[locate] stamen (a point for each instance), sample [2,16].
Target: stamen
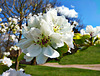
[44,41]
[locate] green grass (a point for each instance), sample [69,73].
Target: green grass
[3,68]
[88,56]
[51,71]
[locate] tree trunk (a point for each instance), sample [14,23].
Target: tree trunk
[17,62]
[33,62]
[18,51]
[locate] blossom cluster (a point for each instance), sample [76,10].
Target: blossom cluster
[6,53]
[9,33]
[1,24]
[5,60]
[13,24]
[11,72]
[14,48]
[14,38]
[93,32]
[44,34]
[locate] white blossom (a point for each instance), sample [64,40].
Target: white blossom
[3,30]
[12,37]
[14,48]
[83,32]
[2,24]
[99,35]
[10,18]
[60,25]
[15,20]
[6,23]
[0,19]
[0,9]
[21,69]
[13,72]
[91,31]
[6,53]
[36,45]
[69,50]
[6,61]
[43,34]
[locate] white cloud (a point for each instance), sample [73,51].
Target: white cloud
[72,6]
[70,13]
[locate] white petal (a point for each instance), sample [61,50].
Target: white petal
[68,39]
[60,44]
[24,51]
[45,28]
[98,29]
[82,31]
[28,58]
[26,33]
[34,21]
[24,43]
[34,50]
[67,28]
[41,59]
[61,20]
[55,37]
[89,29]
[94,32]
[36,33]
[51,16]
[5,74]
[99,35]
[49,52]
[56,45]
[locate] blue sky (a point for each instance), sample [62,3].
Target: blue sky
[88,10]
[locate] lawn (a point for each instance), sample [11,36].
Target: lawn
[88,56]
[51,71]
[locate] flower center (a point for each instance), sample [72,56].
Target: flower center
[56,28]
[44,41]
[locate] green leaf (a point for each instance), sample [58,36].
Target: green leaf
[21,57]
[63,49]
[77,36]
[79,41]
[85,36]
[82,39]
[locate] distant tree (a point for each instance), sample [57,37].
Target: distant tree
[78,27]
